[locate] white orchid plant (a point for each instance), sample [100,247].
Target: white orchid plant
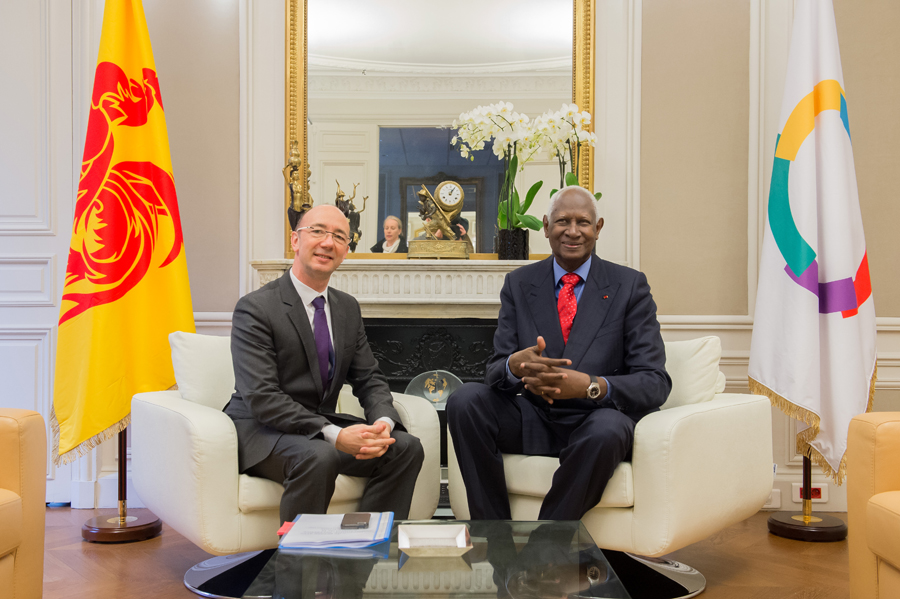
[563,133]
[517,140]
[514,142]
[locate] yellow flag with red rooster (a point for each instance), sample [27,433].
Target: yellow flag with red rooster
[126,283]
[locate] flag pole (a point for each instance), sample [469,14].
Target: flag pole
[803,526]
[122,528]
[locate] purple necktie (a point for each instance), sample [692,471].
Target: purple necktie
[323,341]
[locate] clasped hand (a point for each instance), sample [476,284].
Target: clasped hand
[364,441]
[546,376]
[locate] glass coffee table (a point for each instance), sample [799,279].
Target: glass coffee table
[515,560]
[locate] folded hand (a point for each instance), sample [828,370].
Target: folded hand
[365,441]
[529,362]
[560,383]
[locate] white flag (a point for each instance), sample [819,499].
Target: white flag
[813,348]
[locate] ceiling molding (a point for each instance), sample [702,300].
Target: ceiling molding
[561,64]
[332,87]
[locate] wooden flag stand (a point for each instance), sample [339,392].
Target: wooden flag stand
[121,528]
[804,526]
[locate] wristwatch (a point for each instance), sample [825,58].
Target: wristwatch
[593,390]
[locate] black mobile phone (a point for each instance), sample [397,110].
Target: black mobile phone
[356,520]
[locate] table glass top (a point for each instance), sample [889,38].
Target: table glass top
[515,560]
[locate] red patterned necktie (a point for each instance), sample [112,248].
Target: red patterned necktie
[566,305]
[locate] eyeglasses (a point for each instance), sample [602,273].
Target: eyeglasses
[317,233]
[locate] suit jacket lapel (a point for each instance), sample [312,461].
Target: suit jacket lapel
[296,312]
[542,296]
[592,311]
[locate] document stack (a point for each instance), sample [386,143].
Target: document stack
[322,534]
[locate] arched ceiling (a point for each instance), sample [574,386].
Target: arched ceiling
[440,36]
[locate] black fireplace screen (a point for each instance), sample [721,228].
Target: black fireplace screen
[405,347]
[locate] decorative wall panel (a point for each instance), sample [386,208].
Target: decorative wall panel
[24,145]
[27,281]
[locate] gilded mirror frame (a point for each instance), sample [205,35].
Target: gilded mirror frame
[296,77]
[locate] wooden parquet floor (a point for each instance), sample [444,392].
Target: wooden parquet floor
[740,562]
[745,561]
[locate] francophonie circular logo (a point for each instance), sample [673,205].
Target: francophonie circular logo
[843,295]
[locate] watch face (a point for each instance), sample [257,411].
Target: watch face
[450,194]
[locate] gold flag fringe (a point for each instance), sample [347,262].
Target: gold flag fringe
[806,437]
[811,419]
[85,446]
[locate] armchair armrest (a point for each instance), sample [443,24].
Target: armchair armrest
[185,466]
[421,420]
[683,492]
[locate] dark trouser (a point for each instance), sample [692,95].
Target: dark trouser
[485,424]
[308,468]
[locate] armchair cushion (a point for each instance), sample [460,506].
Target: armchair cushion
[694,368]
[203,368]
[532,475]
[883,526]
[10,521]
[257,494]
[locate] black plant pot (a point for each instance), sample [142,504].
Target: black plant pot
[512,244]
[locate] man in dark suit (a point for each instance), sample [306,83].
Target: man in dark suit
[578,360]
[294,343]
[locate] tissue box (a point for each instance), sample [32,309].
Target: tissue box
[433,540]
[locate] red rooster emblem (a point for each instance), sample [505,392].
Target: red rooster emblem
[121,208]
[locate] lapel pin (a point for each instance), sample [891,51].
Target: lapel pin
[605,297]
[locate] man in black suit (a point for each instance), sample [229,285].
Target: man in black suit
[578,360]
[294,343]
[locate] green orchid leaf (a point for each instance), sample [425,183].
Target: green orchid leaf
[515,203]
[529,197]
[531,222]
[571,179]
[553,192]
[597,196]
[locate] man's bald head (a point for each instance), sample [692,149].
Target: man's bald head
[320,211]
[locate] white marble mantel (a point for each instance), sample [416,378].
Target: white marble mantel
[414,288]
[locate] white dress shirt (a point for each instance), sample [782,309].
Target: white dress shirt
[307,296]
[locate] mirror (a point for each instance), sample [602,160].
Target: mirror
[361,77]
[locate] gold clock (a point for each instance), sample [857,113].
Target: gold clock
[449,197]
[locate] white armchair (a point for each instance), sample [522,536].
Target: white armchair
[700,464]
[185,460]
